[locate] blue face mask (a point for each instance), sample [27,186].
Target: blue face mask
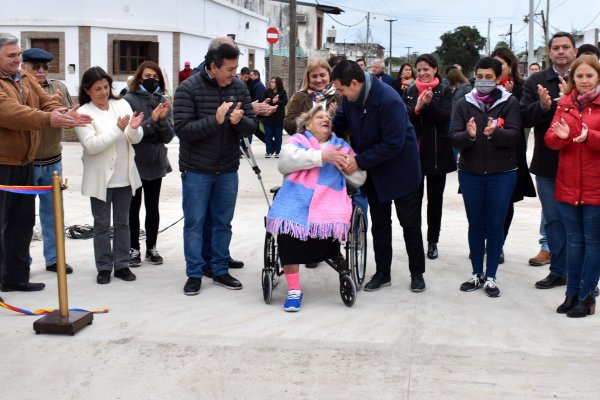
[485,86]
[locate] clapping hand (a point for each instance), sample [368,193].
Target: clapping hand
[544,96]
[584,134]
[424,99]
[509,85]
[561,129]
[561,86]
[122,122]
[80,119]
[57,95]
[490,128]
[161,111]
[136,121]
[236,115]
[472,128]
[222,111]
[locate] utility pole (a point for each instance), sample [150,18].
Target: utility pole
[292,55]
[530,55]
[488,36]
[367,44]
[547,22]
[390,63]
[510,38]
[408,53]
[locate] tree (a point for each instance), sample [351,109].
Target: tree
[502,44]
[461,46]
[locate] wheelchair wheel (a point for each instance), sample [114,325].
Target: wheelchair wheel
[267,285]
[271,267]
[347,290]
[356,250]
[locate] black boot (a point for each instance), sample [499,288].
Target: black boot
[432,251]
[567,305]
[583,308]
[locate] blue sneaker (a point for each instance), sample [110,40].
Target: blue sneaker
[293,300]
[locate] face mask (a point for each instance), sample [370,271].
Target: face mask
[150,84]
[485,86]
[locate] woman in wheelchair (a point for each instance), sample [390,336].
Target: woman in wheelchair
[311,213]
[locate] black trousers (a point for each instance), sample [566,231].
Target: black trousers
[408,211]
[17,218]
[435,202]
[151,199]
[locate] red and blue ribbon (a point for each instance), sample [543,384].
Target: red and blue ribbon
[44,311]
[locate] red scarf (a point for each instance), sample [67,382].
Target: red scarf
[504,81]
[421,87]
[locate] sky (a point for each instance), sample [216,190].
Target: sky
[420,25]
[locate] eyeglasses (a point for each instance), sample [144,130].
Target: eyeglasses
[37,66]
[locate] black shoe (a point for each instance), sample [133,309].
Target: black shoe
[125,274]
[417,283]
[377,282]
[207,272]
[432,251]
[153,257]
[135,258]
[501,259]
[22,287]
[567,305]
[227,281]
[312,265]
[583,308]
[235,264]
[52,268]
[192,286]
[476,282]
[550,281]
[490,288]
[103,277]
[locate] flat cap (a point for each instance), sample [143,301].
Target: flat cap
[36,55]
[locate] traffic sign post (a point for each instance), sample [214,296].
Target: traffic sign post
[272,38]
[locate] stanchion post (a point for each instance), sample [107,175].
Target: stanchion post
[61,320]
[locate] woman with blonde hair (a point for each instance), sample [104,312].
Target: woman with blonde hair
[575,132]
[316,89]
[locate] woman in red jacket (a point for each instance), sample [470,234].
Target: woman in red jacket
[575,131]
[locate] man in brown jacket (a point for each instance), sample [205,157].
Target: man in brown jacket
[24,109]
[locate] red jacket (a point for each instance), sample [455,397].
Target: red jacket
[578,177]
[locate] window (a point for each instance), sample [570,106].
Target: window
[51,46]
[251,59]
[128,54]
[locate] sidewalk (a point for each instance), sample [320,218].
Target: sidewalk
[156,343]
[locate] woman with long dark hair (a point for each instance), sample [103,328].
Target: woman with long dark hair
[405,79]
[146,95]
[110,176]
[274,123]
[429,107]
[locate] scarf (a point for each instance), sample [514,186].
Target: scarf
[485,101]
[365,90]
[421,86]
[312,202]
[588,97]
[319,96]
[504,81]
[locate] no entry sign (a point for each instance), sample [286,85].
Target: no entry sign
[272,35]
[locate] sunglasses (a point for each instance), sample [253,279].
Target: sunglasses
[37,66]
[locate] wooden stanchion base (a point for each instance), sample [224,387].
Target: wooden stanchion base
[54,323]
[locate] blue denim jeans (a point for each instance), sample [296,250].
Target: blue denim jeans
[203,194]
[555,230]
[273,137]
[582,225]
[42,176]
[486,199]
[543,239]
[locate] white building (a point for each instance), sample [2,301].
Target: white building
[118,36]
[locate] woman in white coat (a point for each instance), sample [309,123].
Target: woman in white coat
[110,176]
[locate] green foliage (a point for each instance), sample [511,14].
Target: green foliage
[502,44]
[461,46]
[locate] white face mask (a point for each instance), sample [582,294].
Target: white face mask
[485,86]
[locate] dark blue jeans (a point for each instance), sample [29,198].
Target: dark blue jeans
[582,225]
[208,193]
[486,198]
[273,137]
[555,229]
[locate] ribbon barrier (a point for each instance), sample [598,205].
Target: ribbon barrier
[63,320]
[44,311]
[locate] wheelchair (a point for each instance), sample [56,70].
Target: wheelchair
[351,270]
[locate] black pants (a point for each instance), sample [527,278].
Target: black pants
[408,211]
[17,217]
[435,201]
[151,200]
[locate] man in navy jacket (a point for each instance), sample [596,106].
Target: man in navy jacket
[386,147]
